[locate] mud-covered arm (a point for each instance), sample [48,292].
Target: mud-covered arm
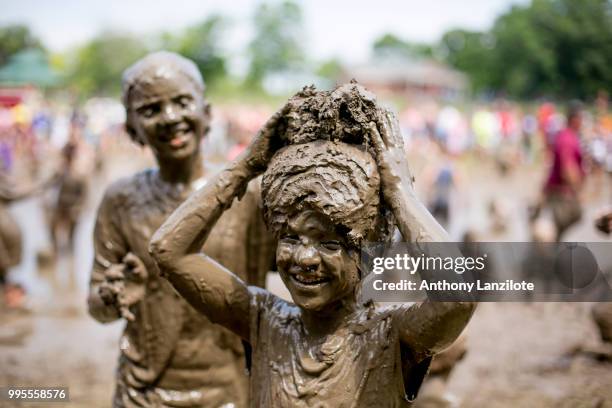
[109,250]
[10,192]
[205,284]
[261,243]
[219,294]
[428,327]
[413,219]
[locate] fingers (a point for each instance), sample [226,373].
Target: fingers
[389,129]
[135,266]
[132,261]
[385,129]
[393,125]
[377,141]
[126,313]
[114,272]
[272,123]
[108,293]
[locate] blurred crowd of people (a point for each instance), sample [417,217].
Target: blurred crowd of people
[55,146]
[573,141]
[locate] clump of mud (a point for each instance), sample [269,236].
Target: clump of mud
[342,114]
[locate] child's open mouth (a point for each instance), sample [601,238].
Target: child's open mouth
[309,279]
[180,138]
[177,137]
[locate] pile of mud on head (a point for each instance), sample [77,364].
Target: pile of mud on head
[327,164]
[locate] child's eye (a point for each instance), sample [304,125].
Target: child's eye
[149,110]
[290,239]
[183,101]
[331,245]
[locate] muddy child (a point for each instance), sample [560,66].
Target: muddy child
[171,355]
[334,177]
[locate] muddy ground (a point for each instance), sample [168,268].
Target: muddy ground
[519,355]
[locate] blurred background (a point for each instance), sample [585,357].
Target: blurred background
[481,88]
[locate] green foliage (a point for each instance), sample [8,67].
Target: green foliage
[470,52]
[277,43]
[200,43]
[15,38]
[99,64]
[329,69]
[390,45]
[554,47]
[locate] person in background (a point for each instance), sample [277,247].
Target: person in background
[567,175]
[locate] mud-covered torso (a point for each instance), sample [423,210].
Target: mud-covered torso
[170,345]
[359,365]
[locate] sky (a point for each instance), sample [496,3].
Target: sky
[333,28]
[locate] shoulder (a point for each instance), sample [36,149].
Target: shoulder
[264,301]
[126,189]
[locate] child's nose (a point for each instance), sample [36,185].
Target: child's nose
[169,114]
[307,257]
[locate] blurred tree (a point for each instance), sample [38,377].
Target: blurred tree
[470,52]
[200,43]
[553,47]
[15,38]
[330,69]
[390,45]
[98,65]
[277,45]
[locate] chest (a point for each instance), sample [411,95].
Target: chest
[227,242]
[334,370]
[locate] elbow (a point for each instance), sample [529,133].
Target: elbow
[463,312]
[161,251]
[456,318]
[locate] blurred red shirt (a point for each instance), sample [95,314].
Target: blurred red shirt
[566,153]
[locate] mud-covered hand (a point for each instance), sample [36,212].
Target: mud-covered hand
[124,285]
[413,220]
[391,158]
[267,141]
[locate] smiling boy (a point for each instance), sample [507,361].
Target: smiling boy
[170,355]
[323,198]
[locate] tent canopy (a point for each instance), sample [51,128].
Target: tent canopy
[28,67]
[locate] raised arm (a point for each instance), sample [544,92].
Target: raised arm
[429,327]
[176,246]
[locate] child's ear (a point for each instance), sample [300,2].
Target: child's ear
[132,132]
[207,116]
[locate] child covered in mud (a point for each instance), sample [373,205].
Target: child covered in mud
[321,191]
[171,356]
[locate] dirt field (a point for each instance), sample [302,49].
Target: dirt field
[519,355]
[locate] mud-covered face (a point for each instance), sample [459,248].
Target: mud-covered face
[315,263]
[169,114]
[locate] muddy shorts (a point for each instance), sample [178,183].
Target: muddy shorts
[566,210]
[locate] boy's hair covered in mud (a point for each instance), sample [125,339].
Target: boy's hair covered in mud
[328,164]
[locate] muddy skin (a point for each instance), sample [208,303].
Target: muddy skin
[71,197]
[326,349]
[171,355]
[10,233]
